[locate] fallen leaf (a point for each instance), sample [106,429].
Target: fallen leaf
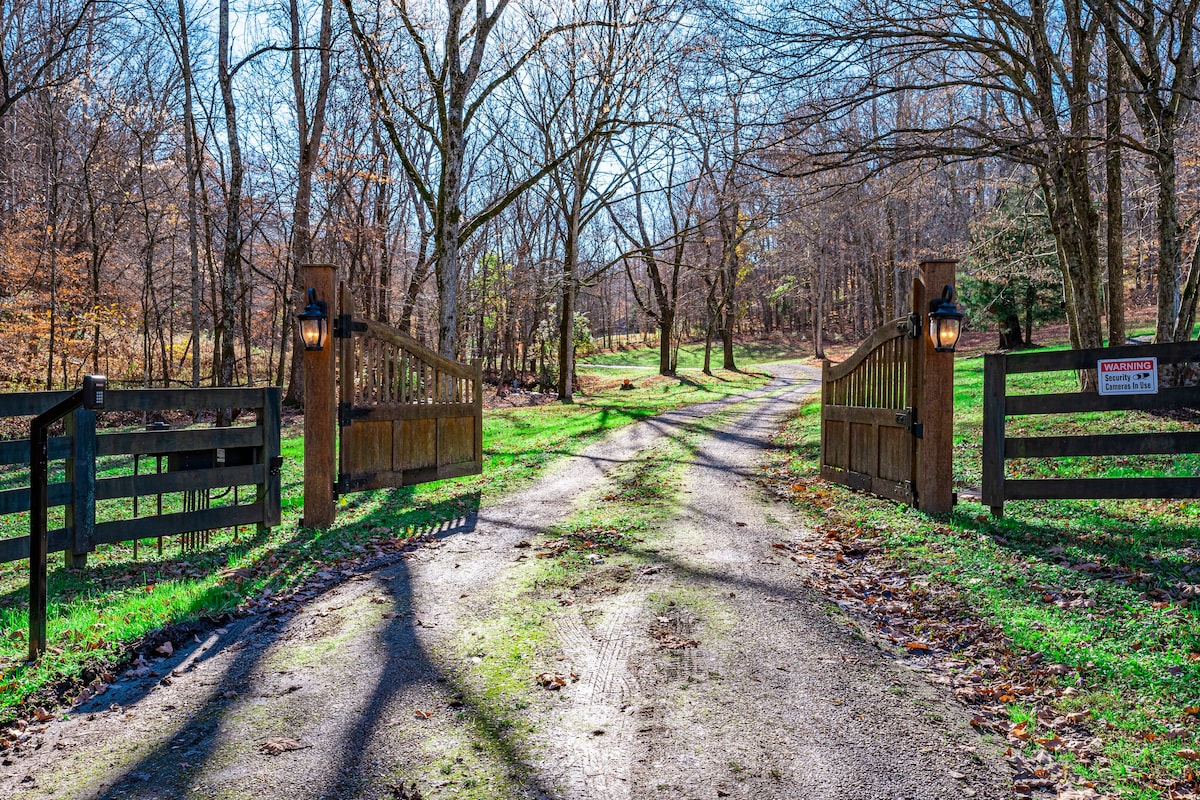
[1189,754]
[1051,742]
[551,680]
[166,649]
[281,744]
[423,714]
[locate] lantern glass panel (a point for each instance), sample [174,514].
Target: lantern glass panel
[311,333]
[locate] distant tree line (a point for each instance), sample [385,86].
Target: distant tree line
[511,182]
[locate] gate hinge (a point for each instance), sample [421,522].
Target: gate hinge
[345,325]
[908,418]
[276,465]
[347,413]
[346,485]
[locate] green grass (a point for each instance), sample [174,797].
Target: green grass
[691,355]
[95,614]
[1131,632]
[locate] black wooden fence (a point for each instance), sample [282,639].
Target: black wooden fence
[190,462]
[998,405]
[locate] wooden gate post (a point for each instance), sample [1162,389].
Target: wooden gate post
[935,398]
[319,410]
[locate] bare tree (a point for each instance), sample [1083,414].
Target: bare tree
[658,223]
[589,91]
[35,36]
[1032,63]
[1157,45]
[310,128]
[460,72]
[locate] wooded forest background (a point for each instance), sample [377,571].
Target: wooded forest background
[511,179]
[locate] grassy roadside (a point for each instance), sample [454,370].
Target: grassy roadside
[1072,626]
[97,614]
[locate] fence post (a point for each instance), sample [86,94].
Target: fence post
[935,412]
[995,369]
[81,474]
[269,490]
[319,410]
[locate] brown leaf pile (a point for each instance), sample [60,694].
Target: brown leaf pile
[668,639]
[936,636]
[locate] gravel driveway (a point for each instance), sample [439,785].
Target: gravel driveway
[710,673]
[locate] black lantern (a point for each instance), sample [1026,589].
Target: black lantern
[314,322]
[945,321]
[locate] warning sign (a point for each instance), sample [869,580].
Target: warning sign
[1128,375]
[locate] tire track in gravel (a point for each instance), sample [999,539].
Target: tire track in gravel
[591,744]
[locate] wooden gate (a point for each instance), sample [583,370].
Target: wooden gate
[406,414]
[887,412]
[869,429]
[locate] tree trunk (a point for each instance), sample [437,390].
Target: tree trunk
[818,321]
[447,228]
[1115,231]
[189,153]
[231,253]
[1010,333]
[309,135]
[726,331]
[566,321]
[1162,168]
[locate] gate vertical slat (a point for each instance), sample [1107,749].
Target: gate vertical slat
[477,399]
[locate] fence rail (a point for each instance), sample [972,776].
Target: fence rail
[999,448]
[197,460]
